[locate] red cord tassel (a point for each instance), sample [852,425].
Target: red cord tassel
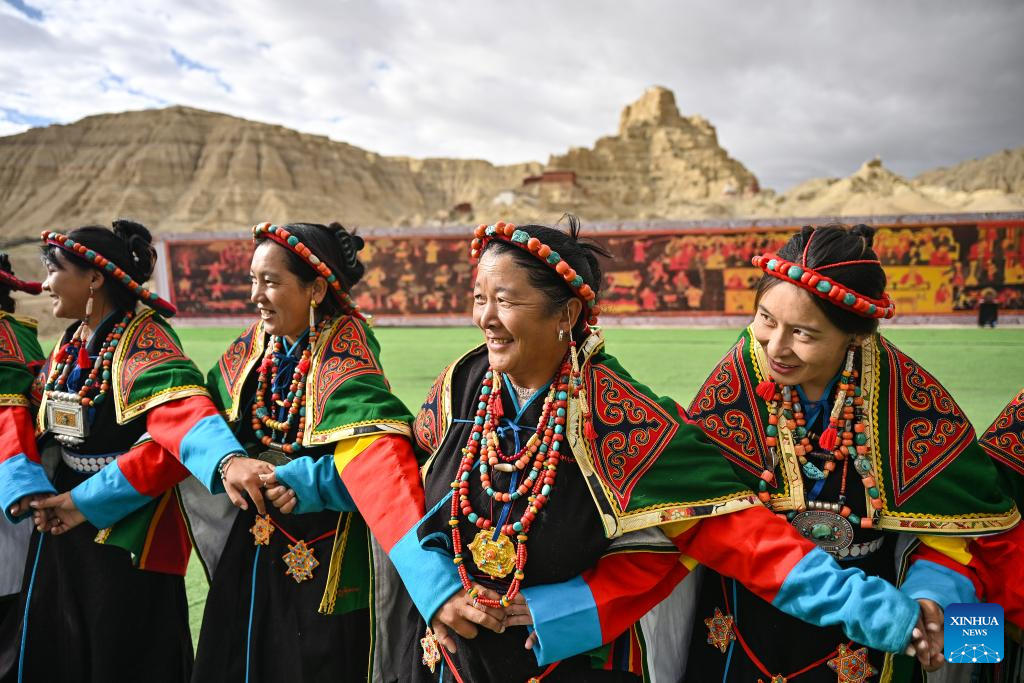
[829,439]
[84,362]
[766,390]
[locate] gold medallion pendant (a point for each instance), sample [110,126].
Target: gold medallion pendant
[261,530]
[431,650]
[496,558]
[300,561]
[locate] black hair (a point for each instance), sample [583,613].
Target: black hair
[129,246]
[336,247]
[6,300]
[580,254]
[835,243]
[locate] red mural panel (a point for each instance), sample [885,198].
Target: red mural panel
[933,268]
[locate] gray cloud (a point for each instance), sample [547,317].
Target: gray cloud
[796,89]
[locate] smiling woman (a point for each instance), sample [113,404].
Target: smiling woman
[858,447]
[566,496]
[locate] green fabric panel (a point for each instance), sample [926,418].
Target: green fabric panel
[688,471]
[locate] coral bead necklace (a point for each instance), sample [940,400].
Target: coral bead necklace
[492,549]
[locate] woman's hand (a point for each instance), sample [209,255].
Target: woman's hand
[932,659]
[56,514]
[462,616]
[241,476]
[283,498]
[23,505]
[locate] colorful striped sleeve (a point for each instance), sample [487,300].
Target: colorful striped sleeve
[429,576]
[21,473]
[187,436]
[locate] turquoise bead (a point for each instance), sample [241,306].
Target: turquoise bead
[465,476]
[849,299]
[771,430]
[90,254]
[772,263]
[293,240]
[873,492]
[577,281]
[860,438]
[478,420]
[518,526]
[872,309]
[520,237]
[545,490]
[556,445]
[822,531]
[854,519]
[562,396]
[824,287]
[490,230]
[486,391]
[560,412]
[472,517]
[554,257]
[559,429]
[795,272]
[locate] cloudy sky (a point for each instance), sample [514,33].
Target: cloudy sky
[796,88]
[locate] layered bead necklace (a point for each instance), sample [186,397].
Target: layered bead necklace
[845,439]
[265,426]
[537,462]
[66,411]
[300,558]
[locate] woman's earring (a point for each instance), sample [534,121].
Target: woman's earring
[312,318]
[561,335]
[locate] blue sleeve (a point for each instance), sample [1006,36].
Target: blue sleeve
[565,618]
[871,611]
[316,484]
[204,446]
[20,477]
[107,497]
[931,581]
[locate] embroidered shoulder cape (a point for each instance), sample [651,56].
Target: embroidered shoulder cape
[347,394]
[648,465]
[149,368]
[1004,441]
[20,357]
[933,476]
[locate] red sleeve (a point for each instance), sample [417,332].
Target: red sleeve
[754,546]
[999,563]
[627,585]
[389,458]
[18,433]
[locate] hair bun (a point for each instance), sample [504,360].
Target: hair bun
[866,232]
[139,243]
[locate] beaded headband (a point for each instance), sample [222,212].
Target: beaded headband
[507,232]
[11,281]
[824,287]
[150,298]
[292,243]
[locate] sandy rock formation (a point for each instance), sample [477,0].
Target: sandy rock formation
[1002,171]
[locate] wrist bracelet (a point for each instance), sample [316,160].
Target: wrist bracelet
[222,466]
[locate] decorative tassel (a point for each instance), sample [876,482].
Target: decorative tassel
[829,439]
[84,361]
[766,390]
[303,367]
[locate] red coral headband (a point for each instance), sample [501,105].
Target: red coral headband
[146,296]
[826,288]
[507,232]
[9,280]
[292,243]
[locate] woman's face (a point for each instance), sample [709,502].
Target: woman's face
[68,286]
[281,298]
[803,347]
[519,328]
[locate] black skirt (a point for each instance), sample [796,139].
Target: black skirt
[95,618]
[287,639]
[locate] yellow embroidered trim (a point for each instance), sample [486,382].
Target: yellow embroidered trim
[348,431]
[13,400]
[259,340]
[444,407]
[23,319]
[159,398]
[334,570]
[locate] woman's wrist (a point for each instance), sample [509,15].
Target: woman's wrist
[225,462]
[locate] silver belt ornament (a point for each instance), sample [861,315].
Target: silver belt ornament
[830,531]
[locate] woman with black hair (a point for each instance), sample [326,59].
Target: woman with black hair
[566,496]
[126,416]
[852,442]
[20,358]
[293,595]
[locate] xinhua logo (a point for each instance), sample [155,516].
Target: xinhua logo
[973,632]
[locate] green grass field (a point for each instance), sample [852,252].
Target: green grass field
[982,368]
